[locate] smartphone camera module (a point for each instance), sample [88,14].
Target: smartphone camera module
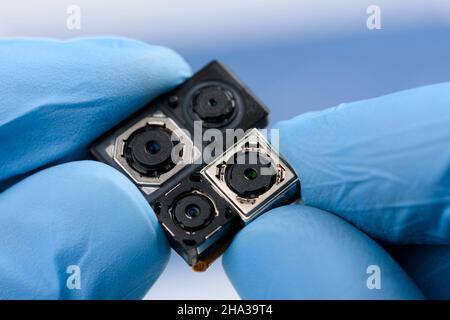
[153,150]
[199,222]
[253,176]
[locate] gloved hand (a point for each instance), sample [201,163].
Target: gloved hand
[381,166]
[82,218]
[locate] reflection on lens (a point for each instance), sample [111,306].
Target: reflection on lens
[153,147]
[148,150]
[245,177]
[250,173]
[192,211]
[215,105]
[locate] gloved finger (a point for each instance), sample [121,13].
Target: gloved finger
[428,266]
[80,230]
[383,164]
[299,252]
[58,96]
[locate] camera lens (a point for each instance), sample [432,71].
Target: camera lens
[153,147]
[250,174]
[193,211]
[214,104]
[149,150]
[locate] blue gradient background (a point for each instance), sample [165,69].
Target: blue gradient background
[297,56]
[293,77]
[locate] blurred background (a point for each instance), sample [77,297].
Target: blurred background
[296,55]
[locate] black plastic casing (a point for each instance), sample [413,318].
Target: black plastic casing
[177,105]
[206,244]
[252,112]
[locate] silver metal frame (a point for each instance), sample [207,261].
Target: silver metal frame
[248,209]
[150,184]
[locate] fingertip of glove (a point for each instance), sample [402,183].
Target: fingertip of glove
[168,61]
[299,252]
[100,62]
[165,67]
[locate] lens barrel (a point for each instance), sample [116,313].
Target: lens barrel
[149,151]
[193,211]
[250,174]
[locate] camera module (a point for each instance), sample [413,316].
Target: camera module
[153,150]
[252,176]
[199,222]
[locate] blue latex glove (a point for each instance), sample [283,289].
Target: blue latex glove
[56,97]
[384,166]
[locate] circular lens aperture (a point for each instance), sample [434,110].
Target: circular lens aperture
[153,147]
[193,211]
[214,104]
[250,174]
[149,150]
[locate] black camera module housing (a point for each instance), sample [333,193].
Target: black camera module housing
[199,222]
[219,99]
[141,146]
[199,211]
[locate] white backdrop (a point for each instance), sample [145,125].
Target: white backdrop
[197,23]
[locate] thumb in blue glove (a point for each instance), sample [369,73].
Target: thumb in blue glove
[81,217]
[381,164]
